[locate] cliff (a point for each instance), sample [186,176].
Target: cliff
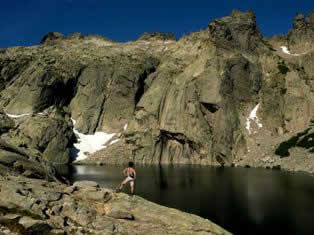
[222,96]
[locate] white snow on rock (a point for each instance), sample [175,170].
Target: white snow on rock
[253,117]
[114,141]
[286,51]
[19,115]
[125,126]
[22,115]
[89,143]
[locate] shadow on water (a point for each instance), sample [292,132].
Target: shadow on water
[244,201]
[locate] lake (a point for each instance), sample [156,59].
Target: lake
[242,200]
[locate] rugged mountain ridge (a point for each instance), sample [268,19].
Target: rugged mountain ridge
[302,32]
[187,101]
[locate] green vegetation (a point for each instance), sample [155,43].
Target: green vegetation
[283,67]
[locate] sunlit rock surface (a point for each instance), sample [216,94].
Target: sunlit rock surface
[186,101]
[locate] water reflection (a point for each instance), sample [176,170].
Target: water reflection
[244,201]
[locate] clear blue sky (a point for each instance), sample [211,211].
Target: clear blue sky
[24,22]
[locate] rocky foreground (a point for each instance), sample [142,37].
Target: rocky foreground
[30,206]
[35,200]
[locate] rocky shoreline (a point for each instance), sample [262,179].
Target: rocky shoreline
[35,199]
[30,206]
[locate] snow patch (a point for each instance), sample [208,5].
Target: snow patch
[89,143]
[286,51]
[253,117]
[114,141]
[125,126]
[22,115]
[19,115]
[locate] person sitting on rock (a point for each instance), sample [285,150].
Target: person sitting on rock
[130,175]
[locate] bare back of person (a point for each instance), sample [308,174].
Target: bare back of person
[130,175]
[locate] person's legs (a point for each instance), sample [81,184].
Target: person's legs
[127,179]
[132,186]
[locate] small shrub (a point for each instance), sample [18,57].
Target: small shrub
[283,69]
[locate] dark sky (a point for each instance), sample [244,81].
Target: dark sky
[24,22]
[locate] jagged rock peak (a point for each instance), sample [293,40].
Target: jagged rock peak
[300,21]
[77,36]
[52,37]
[236,31]
[301,36]
[157,36]
[244,16]
[55,37]
[310,19]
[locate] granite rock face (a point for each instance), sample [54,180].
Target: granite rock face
[200,100]
[236,31]
[48,134]
[15,161]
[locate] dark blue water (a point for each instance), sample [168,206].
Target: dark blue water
[242,200]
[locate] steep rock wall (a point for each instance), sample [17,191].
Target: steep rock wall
[208,98]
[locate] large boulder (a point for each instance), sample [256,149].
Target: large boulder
[18,161]
[50,133]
